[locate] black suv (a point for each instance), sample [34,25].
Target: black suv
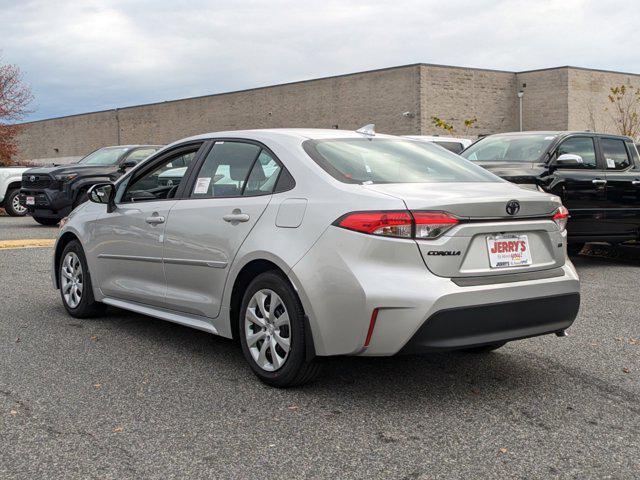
[596,175]
[50,193]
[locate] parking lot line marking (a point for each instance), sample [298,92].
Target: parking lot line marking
[27,243]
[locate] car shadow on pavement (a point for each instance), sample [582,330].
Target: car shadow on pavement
[433,377]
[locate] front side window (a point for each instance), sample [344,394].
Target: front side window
[140,154]
[509,148]
[162,181]
[104,156]
[615,153]
[384,160]
[582,146]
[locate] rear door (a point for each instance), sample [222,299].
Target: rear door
[583,187]
[623,186]
[227,195]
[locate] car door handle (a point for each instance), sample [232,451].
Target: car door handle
[236,217]
[635,182]
[599,181]
[154,220]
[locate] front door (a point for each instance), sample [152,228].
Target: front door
[130,239]
[204,232]
[581,187]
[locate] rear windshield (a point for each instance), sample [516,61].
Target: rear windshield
[104,156]
[509,148]
[384,160]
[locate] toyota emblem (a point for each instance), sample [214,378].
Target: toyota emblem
[32,178]
[513,207]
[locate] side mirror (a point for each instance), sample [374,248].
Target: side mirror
[568,160]
[103,193]
[125,165]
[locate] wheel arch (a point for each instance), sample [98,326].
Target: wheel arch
[63,241]
[241,281]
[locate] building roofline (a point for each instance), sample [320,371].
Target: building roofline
[571,67]
[329,77]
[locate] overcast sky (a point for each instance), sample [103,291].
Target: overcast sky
[93,55]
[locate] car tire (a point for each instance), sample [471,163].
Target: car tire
[12,204]
[47,222]
[75,283]
[485,348]
[272,318]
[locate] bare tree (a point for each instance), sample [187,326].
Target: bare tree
[625,103]
[15,97]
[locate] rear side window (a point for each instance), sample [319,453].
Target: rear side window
[582,146]
[454,147]
[615,153]
[385,160]
[263,176]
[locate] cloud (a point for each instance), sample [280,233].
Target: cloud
[91,55]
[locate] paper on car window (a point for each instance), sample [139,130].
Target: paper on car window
[202,185]
[611,163]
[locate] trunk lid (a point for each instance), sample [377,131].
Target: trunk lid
[463,251]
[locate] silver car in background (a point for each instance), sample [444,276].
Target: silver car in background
[309,243]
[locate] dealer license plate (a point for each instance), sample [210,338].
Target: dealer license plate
[508,251]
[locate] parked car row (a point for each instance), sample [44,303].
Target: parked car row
[308,243]
[50,193]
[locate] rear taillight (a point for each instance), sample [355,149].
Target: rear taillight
[388,223]
[433,224]
[561,217]
[401,223]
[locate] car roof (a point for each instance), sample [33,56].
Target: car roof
[558,133]
[131,146]
[275,133]
[437,138]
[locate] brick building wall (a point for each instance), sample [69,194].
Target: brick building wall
[399,100]
[346,101]
[544,104]
[589,107]
[458,94]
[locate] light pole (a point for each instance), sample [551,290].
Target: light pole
[520,95]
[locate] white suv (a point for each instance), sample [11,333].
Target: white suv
[10,181]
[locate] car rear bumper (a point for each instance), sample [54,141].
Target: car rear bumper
[477,325]
[345,277]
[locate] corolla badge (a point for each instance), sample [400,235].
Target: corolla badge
[513,207]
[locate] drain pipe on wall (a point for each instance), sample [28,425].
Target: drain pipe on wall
[520,95]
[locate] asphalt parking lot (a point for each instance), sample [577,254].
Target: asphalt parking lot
[126,396]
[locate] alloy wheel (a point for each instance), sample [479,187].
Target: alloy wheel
[268,330]
[15,204]
[72,280]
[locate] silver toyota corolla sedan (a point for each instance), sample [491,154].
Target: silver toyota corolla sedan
[309,243]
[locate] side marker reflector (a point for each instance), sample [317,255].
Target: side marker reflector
[372,325]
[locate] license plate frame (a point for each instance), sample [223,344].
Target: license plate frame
[508,251]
